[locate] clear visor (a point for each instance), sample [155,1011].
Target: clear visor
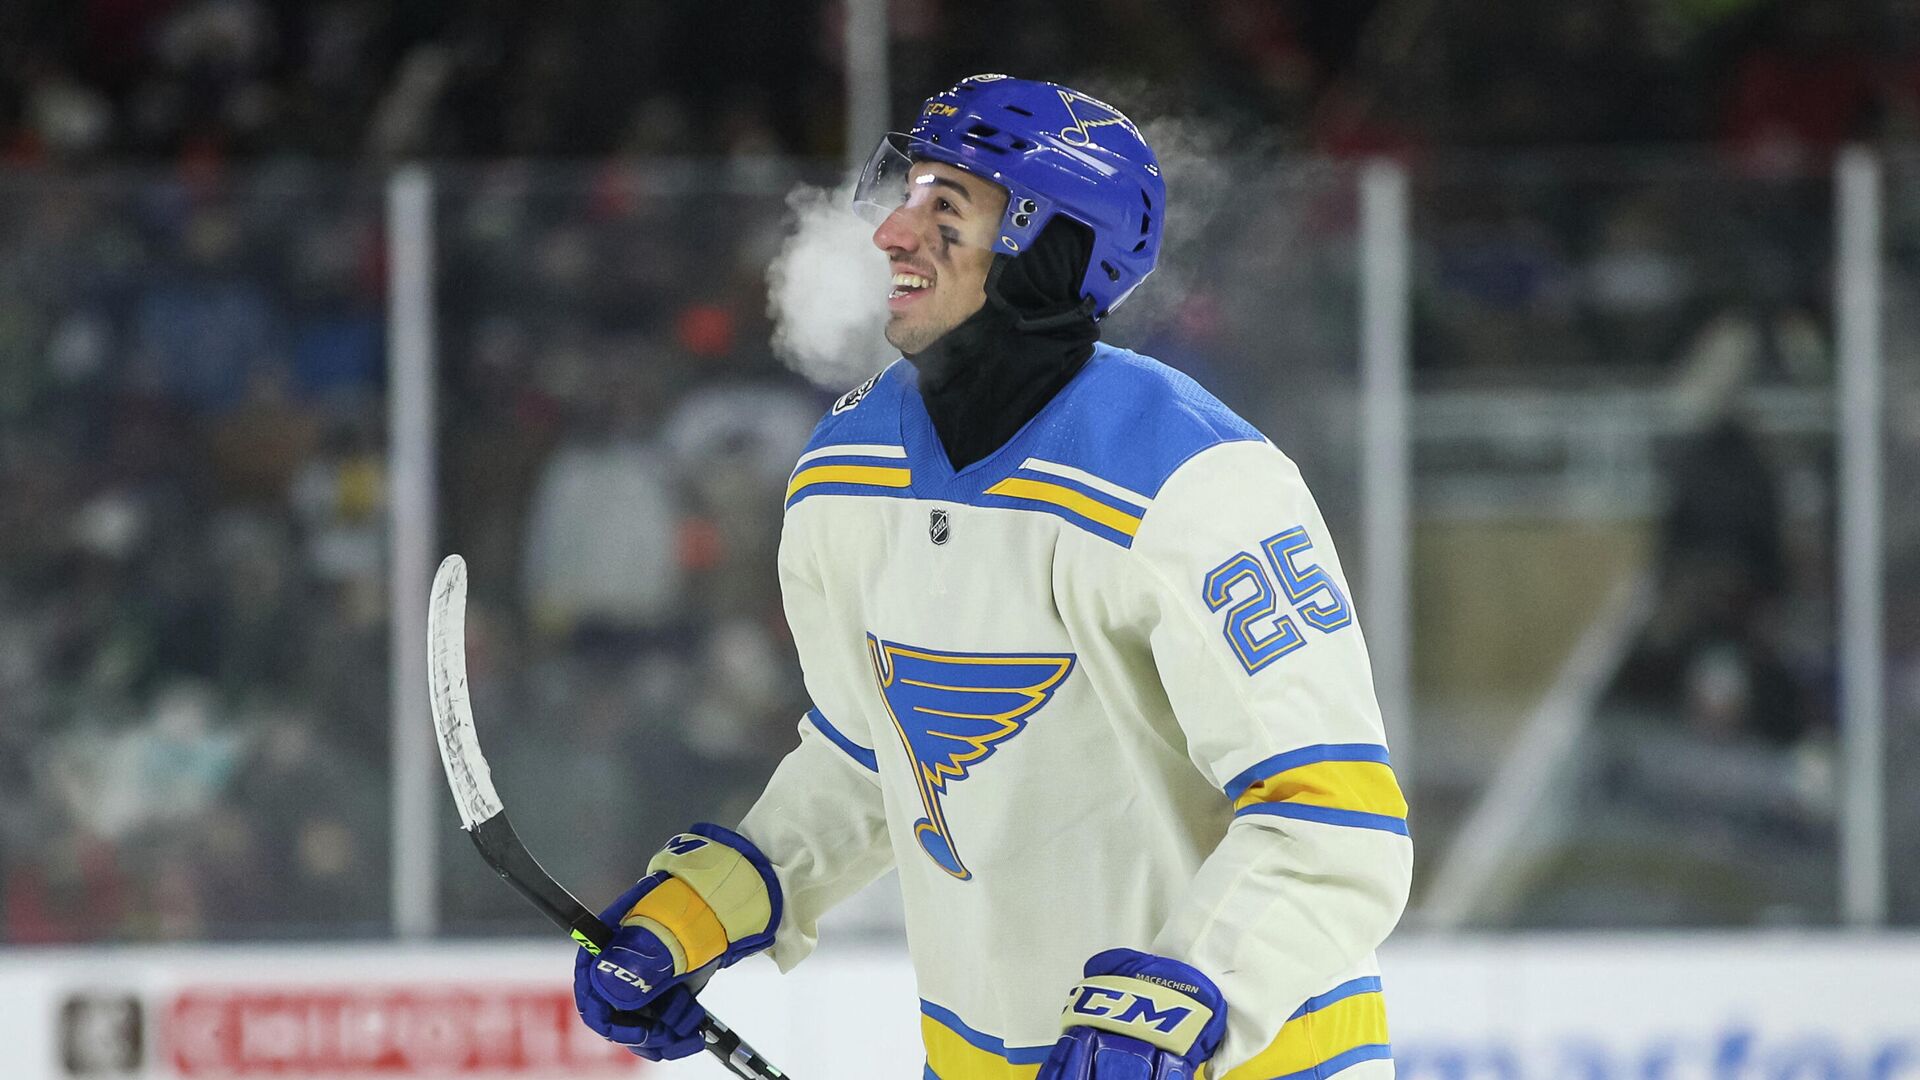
[893,180]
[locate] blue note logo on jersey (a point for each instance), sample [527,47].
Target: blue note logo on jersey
[952,711]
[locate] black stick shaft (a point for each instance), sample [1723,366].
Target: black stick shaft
[502,849]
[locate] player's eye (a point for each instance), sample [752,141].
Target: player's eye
[946,207]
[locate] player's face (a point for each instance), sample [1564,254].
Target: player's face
[940,242]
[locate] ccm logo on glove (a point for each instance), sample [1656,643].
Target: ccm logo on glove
[1130,1005]
[1136,1015]
[625,976]
[1126,1008]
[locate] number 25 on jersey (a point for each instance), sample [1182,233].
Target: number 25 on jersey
[1256,628]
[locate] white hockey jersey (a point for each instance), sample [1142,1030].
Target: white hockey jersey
[1103,688]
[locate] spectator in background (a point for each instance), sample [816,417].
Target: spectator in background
[602,532]
[204,326]
[315,853]
[1710,655]
[1637,285]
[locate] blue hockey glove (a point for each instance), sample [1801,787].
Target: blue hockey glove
[1136,1016]
[709,899]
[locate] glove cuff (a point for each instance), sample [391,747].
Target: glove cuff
[714,897]
[1160,1001]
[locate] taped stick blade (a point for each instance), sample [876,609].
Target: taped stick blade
[467,772]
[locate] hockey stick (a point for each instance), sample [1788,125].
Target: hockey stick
[482,815]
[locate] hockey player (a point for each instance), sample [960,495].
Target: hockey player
[1084,666]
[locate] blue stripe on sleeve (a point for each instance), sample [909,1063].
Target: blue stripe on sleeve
[1306,755]
[1367,984]
[1328,815]
[837,487]
[1334,1064]
[854,750]
[1017,1055]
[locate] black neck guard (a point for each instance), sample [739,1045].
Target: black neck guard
[984,379]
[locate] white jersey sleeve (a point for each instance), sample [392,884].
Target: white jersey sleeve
[820,820]
[1259,650]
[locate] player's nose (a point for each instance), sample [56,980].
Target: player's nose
[897,233]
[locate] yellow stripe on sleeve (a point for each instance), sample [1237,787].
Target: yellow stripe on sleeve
[1316,1038]
[1019,487]
[1368,787]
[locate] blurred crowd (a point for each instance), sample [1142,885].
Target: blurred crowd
[193,531]
[193,522]
[191,556]
[1778,84]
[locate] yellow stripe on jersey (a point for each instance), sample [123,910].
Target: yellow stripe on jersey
[1340,1028]
[1346,784]
[1348,1027]
[951,1057]
[1368,787]
[871,475]
[1019,487]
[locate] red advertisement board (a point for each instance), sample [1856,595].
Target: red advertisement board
[382,1031]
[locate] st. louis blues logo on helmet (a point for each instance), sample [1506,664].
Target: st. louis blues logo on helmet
[1056,151]
[1090,113]
[952,711]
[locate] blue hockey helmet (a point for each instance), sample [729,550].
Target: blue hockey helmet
[1056,151]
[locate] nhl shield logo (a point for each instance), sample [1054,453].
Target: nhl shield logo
[856,395]
[937,527]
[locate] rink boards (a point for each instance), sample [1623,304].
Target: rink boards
[1628,1007]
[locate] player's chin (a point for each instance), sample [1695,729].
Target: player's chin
[909,335]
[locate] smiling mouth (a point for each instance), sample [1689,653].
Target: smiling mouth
[905,284]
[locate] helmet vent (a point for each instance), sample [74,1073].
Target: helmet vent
[1146,222]
[1146,198]
[1018,109]
[982,131]
[1112,274]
